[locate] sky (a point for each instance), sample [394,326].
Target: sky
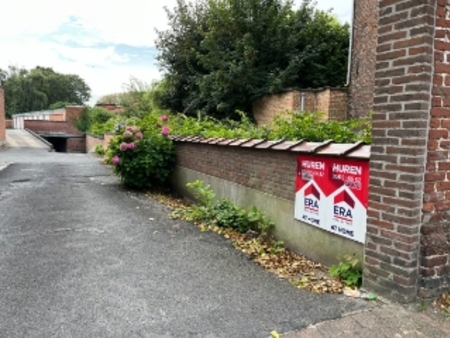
[103,41]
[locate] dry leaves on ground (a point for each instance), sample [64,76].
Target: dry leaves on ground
[297,269]
[443,303]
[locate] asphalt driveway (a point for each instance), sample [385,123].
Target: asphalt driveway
[82,257]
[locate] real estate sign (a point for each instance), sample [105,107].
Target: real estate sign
[332,194]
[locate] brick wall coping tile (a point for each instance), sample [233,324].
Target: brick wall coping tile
[358,150]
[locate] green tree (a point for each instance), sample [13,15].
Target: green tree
[220,55]
[179,48]
[133,99]
[41,88]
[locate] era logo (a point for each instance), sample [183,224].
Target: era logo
[342,212]
[312,197]
[311,204]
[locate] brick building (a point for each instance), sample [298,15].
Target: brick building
[332,102]
[57,126]
[363,57]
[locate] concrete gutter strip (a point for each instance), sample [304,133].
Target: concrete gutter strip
[41,139]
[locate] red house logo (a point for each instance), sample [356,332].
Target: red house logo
[312,198]
[343,211]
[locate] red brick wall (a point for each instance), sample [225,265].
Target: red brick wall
[338,105]
[72,113]
[268,107]
[364,54]
[51,127]
[330,101]
[107,138]
[406,252]
[435,247]
[111,107]
[269,171]
[92,141]
[76,145]
[57,117]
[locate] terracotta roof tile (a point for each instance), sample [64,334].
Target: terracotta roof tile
[328,148]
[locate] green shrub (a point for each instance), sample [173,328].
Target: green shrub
[99,149]
[291,126]
[228,215]
[143,160]
[310,126]
[96,121]
[82,123]
[349,270]
[223,212]
[202,211]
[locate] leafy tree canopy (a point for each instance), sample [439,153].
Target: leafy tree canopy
[220,55]
[138,98]
[41,88]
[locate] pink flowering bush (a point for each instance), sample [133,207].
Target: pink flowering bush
[165,131]
[142,157]
[115,160]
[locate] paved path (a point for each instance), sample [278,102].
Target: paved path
[17,138]
[82,257]
[386,321]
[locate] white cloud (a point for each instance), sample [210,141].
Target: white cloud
[130,21]
[79,36]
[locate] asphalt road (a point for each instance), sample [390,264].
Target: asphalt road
[82,257]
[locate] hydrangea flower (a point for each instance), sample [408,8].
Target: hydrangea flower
[165,131]
[123,146]
[138,135]
[164,118]
[131,145]
[115,160]
[127,134]
[130,129]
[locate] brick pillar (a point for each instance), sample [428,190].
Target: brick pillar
[2,116]
[363,57]
[405,145]
[435,232]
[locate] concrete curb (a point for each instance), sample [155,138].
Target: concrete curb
[3,145]
[41,139]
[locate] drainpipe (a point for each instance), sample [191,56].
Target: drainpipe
[350,48]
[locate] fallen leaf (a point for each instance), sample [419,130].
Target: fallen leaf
[275,334]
